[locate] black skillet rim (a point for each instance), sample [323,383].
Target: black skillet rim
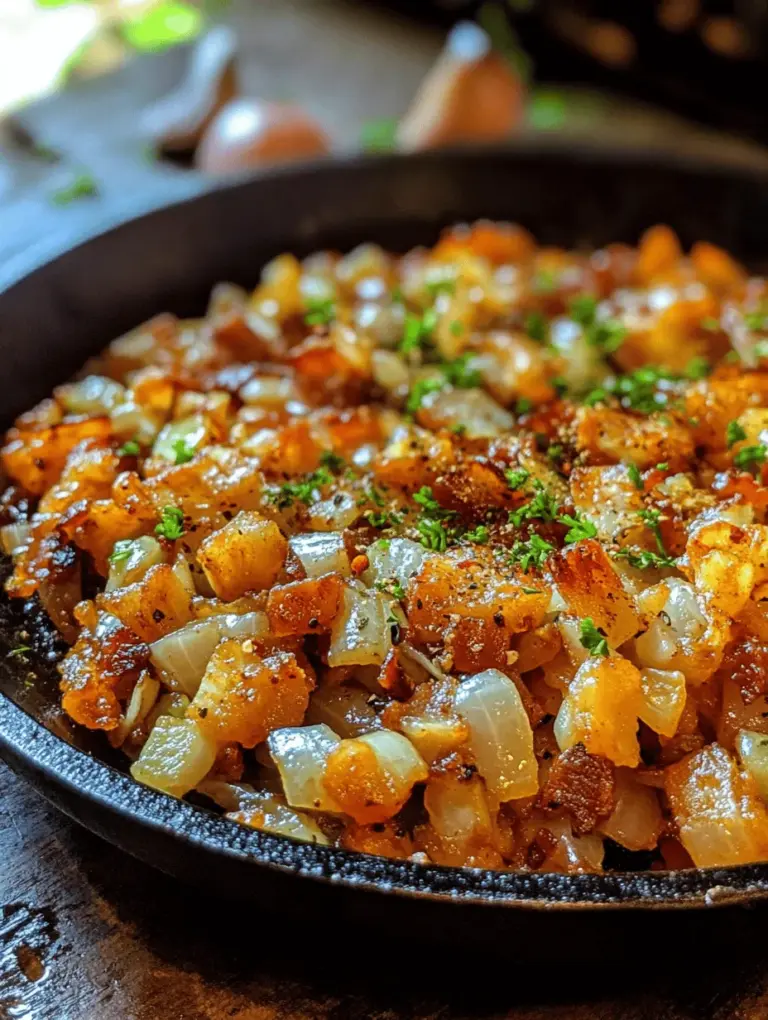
[36,751]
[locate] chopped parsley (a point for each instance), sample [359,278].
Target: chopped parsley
[182,452]
[555,452]
[663,465]
[417,331]
[19,650]
[371,495]
[459,429]
[652,520]
[757,321]
[592,638]
[530,554]
[383,518]
[523,405]
[319,311]
[711,324]
[579,528]
[516,477]
[697,368]
[458,373]
[392,587]
[537,327]
[750,458]
[442,285]
[431,528]
[606,334]
[637,390]
[734,433]
[171,524]
[304,491]
[634,476]
[456,328]
[121,551]
[543,507]
[433,534]
[583,309]
[130,448]
[480,534]
[545,281]
[332,461]
[644,558]
[419,390]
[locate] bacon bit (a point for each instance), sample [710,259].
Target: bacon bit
[229,764]
[393,677]
[746,663]
[581,784]
[359,564]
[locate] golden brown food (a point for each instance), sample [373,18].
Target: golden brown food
[458,556]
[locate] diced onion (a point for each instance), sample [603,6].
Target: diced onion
[168,704]
[321,553]
[481,415]
[682,619]
[663,700]
[411,657]
[347,710]
[399,558]
[269,813]
[175,757]
[93,395]
[389,371]
[636,820]
[14,536]
[361,634]
[434,738]
[130,421]
[397,757]
[501,738]
[192,432]
[142,700]
[301,753]
[334,514]
[181,657]
[272,391]
[458,811]
[753,752]
[131,559]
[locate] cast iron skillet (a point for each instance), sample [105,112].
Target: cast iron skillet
[58,308]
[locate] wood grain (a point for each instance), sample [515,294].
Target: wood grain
[88,933]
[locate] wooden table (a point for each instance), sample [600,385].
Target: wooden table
[90,934]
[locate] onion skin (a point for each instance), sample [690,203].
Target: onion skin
[249,133]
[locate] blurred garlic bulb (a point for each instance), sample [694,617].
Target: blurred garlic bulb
[470,94]
[252,132]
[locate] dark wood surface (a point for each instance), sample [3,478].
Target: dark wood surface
[87,933]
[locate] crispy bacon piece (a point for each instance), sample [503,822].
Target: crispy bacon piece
[581,784]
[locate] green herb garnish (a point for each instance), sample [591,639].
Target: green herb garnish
[379,135]
[543,507]
[734,433]
[537,327]
[417,331]
[319,311]
[171,524]
[304,491]
[480,534]
[592,638]
[523,405]
[750,458]
[459,374]
[635,477]
[516,477]
[121,550]
[644,558]
[697,368]
[130,448]
[579,528]
[433,534]
[332,461]
[532,553]
[182,452]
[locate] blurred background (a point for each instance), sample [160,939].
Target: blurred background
[103,101]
